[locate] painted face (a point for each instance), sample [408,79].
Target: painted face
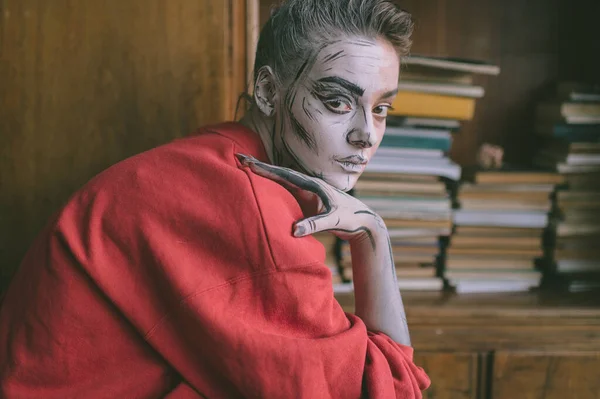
[331,119]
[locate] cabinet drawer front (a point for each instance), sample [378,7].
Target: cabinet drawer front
[453,375]
[559,375]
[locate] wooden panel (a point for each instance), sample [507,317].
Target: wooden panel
[453,375]
[84,84]
[265,10]
[579,47]
[546,375]
[517,36]
[492,337]
[482,323]
[253,25]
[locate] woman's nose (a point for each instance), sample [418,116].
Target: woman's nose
[360,138]
[363,133]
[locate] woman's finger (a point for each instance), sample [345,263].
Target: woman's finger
[285,177]
[254,165]
[332,223]
[316,224]
[272,170]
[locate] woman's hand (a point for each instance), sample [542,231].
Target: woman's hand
[336,212]
[377,297]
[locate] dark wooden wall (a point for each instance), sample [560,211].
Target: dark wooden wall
[535,43]
[84,84]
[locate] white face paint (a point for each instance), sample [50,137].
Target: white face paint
[331,119]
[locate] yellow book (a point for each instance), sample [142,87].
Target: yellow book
[439,75]
[433,106]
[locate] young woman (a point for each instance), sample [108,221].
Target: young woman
[189,271]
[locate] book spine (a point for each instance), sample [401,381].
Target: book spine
[442,144]
[580,133]
[433,105]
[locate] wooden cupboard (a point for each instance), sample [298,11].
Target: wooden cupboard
[529,346]
[454,374]
[550,375]
[85,84]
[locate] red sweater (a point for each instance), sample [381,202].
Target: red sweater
[175,274]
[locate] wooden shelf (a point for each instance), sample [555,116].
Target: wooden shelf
[525,345]
[487,322]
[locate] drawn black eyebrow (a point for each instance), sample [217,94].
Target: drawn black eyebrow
[390,93]
[351,87]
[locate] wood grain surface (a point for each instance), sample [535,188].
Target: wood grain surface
[85,84]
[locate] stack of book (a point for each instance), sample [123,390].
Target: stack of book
[417,211]
[411,180]
[568,129]
[433,87]
[499,231]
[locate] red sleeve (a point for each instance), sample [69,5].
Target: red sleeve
[408,379]
[282,334]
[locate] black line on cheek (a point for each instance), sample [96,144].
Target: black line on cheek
[306,111]
[289,100]
[298,129]
[302,134]
[298,164]
[290,97]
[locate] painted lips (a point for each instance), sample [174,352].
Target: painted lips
[353,164]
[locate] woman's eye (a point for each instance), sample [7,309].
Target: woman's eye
[338,105]
[381,110]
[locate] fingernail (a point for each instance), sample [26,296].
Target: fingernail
[299,231]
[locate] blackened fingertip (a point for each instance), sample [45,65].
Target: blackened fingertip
[242,158]
[299,231]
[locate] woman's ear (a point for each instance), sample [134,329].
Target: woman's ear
[266,90]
